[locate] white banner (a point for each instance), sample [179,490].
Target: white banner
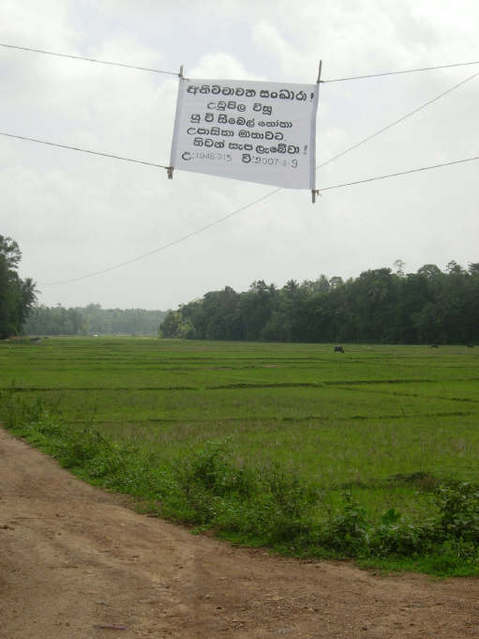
[255,131]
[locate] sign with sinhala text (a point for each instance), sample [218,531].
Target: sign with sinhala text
[255,131]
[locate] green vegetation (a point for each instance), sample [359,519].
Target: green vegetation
[17,296]
[369,454]
[378,306]
[92,320]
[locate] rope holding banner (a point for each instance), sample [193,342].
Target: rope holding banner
[171,168]
[315,192]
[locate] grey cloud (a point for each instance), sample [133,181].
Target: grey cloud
[75,214]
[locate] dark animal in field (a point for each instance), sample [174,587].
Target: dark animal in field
[470,345]
[338,349]
[434,345]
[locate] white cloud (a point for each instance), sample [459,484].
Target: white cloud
[73,214]
[278,51]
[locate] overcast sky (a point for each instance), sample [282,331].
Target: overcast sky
[75,214]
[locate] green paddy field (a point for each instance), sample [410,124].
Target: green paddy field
[356,418]
[384,423]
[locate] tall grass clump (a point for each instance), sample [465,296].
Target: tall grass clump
[268,505]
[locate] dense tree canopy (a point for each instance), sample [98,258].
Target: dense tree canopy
[430,306]
[17,296]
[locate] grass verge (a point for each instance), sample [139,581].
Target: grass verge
[268,505]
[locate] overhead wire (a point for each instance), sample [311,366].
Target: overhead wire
[321,165]
[168,244]
[162,71]
[399,120]
[180,240]
[401,72]
[85,59]
[398,173]
[267,195]
[163,166]
[124,158]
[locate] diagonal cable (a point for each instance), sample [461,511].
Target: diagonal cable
[168,244]
[375,178]
[402,72]
[331,159]
[270,193]
[399,120]
[89,151]
[154,70]
[80,57]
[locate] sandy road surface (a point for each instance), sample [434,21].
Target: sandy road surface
[76,563]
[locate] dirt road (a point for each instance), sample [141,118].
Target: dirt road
[75,564]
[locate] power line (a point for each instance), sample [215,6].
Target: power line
[386,73]
[80,57]
[331,159]
[162,71]
[399,120]
[391,175]
[249,205]
[169,244]
[77,148]
[270,194]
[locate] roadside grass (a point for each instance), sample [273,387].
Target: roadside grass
[285,445]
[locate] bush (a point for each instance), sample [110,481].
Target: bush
[89,451]
[284,504]
[268,502]
[208,479]
[211,469]
[459,510]
[347,531]
[268,506]
[394,536]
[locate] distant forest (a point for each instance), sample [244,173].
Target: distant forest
[430,306]
[92,320]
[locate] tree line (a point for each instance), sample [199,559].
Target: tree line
[429,306]
[19,314]
[92,320]
[17,295]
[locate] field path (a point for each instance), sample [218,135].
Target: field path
[77,563]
